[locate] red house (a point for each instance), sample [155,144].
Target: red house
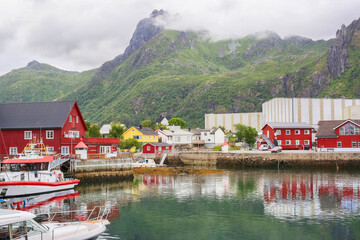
[152,148]
[339,135]
[60,125]
[289,135]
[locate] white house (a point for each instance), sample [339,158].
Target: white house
[165,136]
[105,130]
[209,138]
[164,120]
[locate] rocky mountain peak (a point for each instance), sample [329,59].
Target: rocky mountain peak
[145,30]
[338,58]
[33,63]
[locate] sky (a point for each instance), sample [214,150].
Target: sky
[79,35]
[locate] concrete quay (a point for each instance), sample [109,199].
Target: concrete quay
[285,159]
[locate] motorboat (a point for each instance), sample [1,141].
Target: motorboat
[33,172]
[148,162]
[15,224]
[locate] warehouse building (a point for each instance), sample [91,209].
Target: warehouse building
[308,110]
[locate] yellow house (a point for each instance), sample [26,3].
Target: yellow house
[142,134]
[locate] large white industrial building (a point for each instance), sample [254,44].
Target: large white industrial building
[308,110]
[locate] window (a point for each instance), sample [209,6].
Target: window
[306,142]
[278,132]
[353,143]
[288,142]
[148,148]
[65,150]
[50,134]
[27,135]
[13,151]
[339,144]
[104,149]
[188,138]
[287,132]
[144,137]
[297,132]
[177,139]
[70,118]
[297,142]
[306,132]
[77,119]
[279,142]
[74,134]
[359,144]
[49,149]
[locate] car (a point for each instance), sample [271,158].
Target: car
[276,149]
[263,147]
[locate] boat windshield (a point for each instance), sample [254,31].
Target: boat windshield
[19,167]
[21,229]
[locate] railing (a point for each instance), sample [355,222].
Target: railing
[101,215]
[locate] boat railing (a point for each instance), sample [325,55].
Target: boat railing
[100,216]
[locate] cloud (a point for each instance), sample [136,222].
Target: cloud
[83,34]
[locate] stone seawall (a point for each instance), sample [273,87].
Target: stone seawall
[258,159]
[104,169]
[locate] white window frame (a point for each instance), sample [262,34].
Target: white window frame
[28,135]
[148,148]
[65,150]
[77,119]
[297,142]
[177,139]
[70,118]
[13,151]
[49,149]
[279,142]
[74,134]
[105,149]
[339,144]
[353,143]
[288,142]
[306,142]
[278,132]
[297,132]
[307,132]
[288,132]
[50,134]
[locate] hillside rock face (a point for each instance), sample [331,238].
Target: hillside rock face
[338,58]
[145,30]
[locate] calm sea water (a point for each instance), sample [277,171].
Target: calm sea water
[247,204]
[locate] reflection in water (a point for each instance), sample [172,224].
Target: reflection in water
[261,204]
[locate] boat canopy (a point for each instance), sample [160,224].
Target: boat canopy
[14,216]
[29,160]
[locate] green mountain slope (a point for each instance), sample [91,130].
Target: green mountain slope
[188,75]
[40,82]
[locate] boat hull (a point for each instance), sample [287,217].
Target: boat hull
[25,188]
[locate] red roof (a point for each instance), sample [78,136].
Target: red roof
[81,145]
[29,160]
[225,143]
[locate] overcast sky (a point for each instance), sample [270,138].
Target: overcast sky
[82,34]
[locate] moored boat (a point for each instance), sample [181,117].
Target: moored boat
[16,224]
[148,162]
[33,173]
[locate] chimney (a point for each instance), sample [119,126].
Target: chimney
[140,126]
[189,129]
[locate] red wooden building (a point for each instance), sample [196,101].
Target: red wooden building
[158,148]
[339,135]
[289,135]
[60,125]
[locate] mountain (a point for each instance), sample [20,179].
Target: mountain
[40,82]
[187,74]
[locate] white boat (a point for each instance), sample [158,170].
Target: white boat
[148,162]
[32,173]
[16,224]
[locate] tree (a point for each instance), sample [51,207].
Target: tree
[246,134]
[129,143]
[240,132]
[88,124]
[161,126]
[250,136]
[117,129]
[177,122]
[148,123]
[93,131]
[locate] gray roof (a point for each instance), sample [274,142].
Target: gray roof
[34,115]
[327,129]
[198,131]
[146,131]
[159,144]
[288,125]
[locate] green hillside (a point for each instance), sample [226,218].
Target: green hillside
[188,75]
[40,82]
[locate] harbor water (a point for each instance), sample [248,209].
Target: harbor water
[242,204]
